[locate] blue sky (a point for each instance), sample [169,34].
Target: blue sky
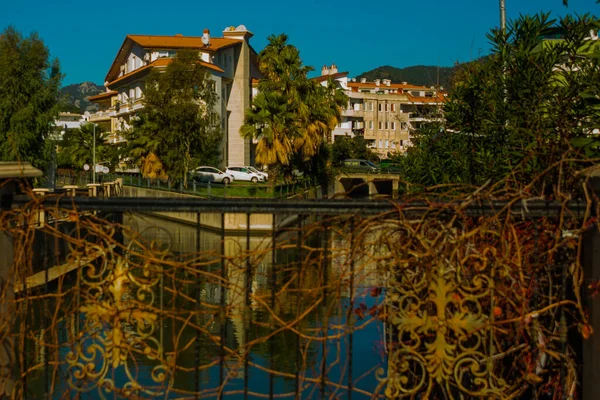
[356,35]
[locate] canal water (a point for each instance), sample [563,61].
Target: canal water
[310,330]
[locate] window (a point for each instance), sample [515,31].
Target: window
[138,92]
[393,107]
[370,124]
[393,126]
[401,143]
[131,93]
[386,106]
[380,107]
[393,144]
[380,143]
[387,144]
[380,125]
[386,125]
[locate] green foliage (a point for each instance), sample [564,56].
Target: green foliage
[347,147]
[76,148]
[29,84]
[292,116]
[178,122]
[528,107]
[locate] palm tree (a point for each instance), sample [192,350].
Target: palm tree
[292,115]
[272,121]
[77,145]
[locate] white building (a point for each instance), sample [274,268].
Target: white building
[384,113]
[230,59]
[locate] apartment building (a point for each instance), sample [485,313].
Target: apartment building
[384,113]
[232,64]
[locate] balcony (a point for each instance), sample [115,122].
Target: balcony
[128,107]
[370,134]
[100,116]
[353,113]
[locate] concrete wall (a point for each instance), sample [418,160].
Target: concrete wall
[238,148]
[259,223]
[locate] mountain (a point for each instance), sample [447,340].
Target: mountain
[74,97]
[423,75]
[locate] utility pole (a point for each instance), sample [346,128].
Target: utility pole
[503,15]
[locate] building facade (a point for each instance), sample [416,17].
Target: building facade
[232,64]
[384,113]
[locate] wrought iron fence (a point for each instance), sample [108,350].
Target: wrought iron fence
[296,299]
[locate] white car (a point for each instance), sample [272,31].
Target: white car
[244,174]
[210,174]
[259,173]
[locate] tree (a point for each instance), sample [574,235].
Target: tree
[29,84]
[292,116]
[77,148]
[178,123]
[528,107]
[351,147]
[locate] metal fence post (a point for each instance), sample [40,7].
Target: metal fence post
[590,260]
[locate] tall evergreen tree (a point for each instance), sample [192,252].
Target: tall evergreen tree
[178,123]
[29,84]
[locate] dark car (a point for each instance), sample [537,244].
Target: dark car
[356,165]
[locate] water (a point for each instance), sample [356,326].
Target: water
[297,298]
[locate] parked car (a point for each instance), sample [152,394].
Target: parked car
[390,167]
[210,174]
[260,173]
[244,174]
[355,165]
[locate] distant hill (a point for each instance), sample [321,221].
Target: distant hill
[74,97]
[423,75]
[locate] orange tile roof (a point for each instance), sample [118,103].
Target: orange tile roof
[159,62]
[103,96]
[167,42]
[182,42]
[381,85]
[133,73]
[211,66]
[332,76]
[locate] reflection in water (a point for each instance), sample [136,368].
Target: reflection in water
[182,311]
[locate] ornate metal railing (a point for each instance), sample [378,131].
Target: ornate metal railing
[334,299]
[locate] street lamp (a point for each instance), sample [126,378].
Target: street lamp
[94,154]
